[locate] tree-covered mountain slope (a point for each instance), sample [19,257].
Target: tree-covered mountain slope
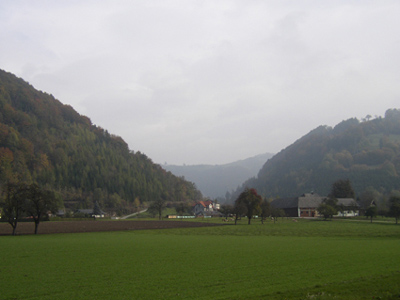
[216,180]
[44,141]
[367,153]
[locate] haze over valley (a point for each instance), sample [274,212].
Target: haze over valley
[208,82]
[215,181]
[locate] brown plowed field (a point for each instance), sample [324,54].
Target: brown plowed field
[95,226]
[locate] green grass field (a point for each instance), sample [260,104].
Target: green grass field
[286,260]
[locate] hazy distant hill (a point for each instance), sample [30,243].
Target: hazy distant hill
[367,153]
[215,180]
[44,141]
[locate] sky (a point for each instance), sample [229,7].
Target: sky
[208,82]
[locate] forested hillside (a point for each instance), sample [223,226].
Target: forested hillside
[44,141]
[220,180]
[367,153]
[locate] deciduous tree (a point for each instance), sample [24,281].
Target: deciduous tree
[226,210]
[265,209]
[251,201]
[182,208]
[14,203]
[157,206]
[394,209]
[342,189]
[276,213]
[368,197]
[326,209]
[371,212]
[239,209]
[39,202]
[136,204]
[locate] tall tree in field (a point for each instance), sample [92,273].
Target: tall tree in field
[239,209]
[182,208]
[39,202]
[371,212]
[368,197]
[328,207]
[251,201]
[394,209]
[226,210]
[157,206]
[276,213]
[14,203]
[265,210]
[342,189]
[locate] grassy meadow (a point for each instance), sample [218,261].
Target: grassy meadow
[287,260]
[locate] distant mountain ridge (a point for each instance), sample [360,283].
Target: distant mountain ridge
[367,153]
[215,180]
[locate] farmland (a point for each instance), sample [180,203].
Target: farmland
[286,260]
[96,226]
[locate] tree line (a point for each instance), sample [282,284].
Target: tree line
[342,188]
[249,204]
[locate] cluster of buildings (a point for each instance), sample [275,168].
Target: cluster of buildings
[206,208]
[306,206]
[95,212]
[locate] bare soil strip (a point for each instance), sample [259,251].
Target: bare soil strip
[96,226]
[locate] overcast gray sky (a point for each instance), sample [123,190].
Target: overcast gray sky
[208,81]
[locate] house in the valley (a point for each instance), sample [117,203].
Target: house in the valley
[348,207]
[306,206]
[288,205]
[364,205]
[96,212]
[207,207]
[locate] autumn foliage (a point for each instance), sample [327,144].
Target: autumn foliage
[45,142]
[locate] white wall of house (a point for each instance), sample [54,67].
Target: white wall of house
[349,213]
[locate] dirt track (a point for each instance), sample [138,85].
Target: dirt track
[94,226]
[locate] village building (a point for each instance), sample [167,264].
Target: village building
[306,206]
[96,212]
[207,207]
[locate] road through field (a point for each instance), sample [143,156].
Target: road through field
[134,214]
